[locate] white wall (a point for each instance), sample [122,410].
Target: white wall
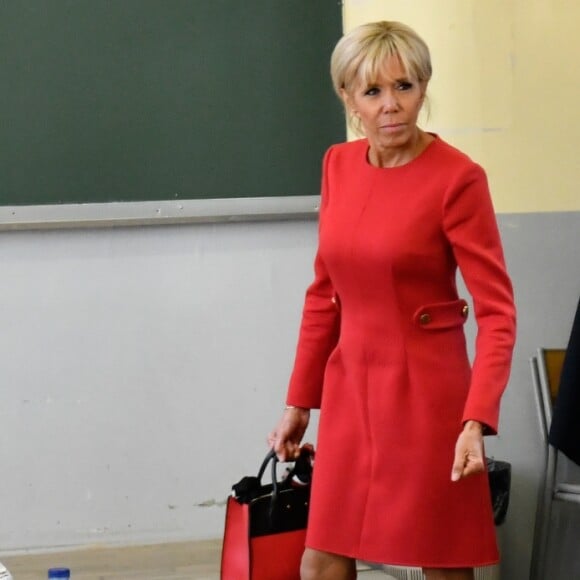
[542,257]
[142,370]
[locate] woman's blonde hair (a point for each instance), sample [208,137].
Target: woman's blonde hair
[359,55]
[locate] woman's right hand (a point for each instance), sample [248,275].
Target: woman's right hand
[286,437]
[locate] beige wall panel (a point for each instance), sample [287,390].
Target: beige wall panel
[505,89]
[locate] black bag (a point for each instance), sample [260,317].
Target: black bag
[500,475]
[265,524]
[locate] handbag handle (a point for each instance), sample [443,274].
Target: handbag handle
[306,454]
[271,457]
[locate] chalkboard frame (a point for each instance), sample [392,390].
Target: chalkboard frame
[24,205]
[164,212]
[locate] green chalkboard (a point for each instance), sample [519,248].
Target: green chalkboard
[136,100]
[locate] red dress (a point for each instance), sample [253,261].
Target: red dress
[382,352]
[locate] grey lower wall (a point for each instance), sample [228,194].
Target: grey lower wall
[542,252]
[143,367]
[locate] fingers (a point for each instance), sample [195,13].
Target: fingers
[276,443]
[292,451]
[466,464]
[286,449]
[285,438]
[469,455]
[458,466]
[473,465]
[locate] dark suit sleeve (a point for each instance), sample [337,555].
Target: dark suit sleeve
[565,428]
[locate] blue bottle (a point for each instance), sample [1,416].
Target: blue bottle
[60,573]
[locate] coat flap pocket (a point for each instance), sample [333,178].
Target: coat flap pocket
[441,315]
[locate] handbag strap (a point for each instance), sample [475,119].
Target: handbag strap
[272,458]
[274,500]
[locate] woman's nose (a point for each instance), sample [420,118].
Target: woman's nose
[390,102]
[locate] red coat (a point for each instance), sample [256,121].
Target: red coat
[382,352]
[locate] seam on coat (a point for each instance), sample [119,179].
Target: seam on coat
[370,444]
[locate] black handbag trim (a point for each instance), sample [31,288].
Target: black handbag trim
[280,506]
[499,475]
[288,513]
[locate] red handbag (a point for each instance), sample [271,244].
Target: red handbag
[265,525]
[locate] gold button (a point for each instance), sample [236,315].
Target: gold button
[424,318]
[465,311]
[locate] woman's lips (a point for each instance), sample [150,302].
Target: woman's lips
[392,127]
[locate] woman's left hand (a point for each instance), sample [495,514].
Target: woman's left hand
[469,455]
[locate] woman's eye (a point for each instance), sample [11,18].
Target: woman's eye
[372,91]
[404,86]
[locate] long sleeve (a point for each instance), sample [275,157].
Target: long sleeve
[470,226]
[319,328]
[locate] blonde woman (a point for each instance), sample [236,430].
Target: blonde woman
[400,468]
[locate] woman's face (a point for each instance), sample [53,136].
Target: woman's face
[388,109]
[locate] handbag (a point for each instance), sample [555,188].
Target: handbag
[265,525]
[499,475]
